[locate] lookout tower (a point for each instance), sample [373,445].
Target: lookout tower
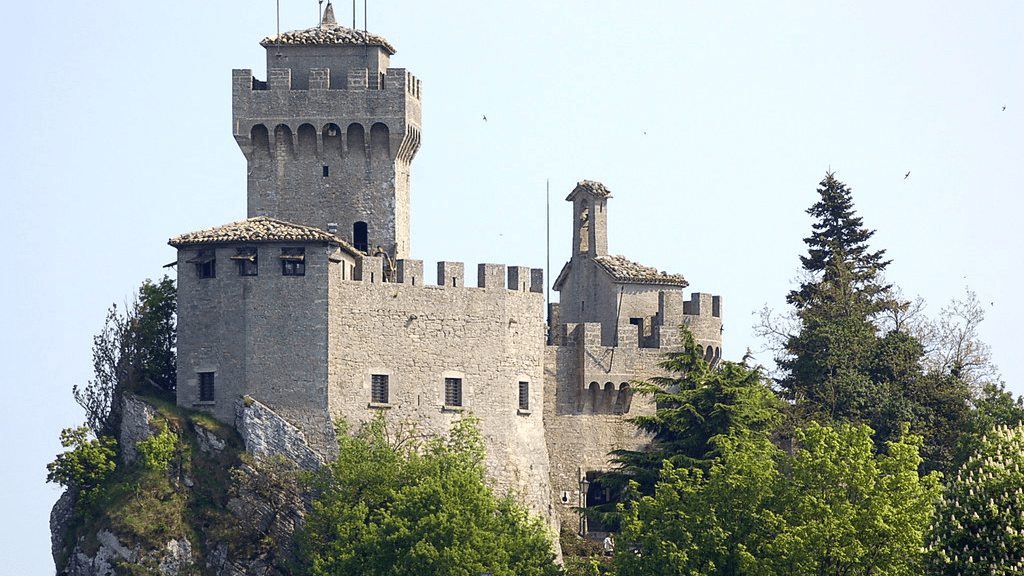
[330,135]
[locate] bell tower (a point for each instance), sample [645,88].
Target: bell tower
[330,135]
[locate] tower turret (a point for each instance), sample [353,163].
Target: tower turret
[330,136]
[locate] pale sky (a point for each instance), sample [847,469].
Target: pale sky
[711,123]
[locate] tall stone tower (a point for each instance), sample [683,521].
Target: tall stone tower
[330,136]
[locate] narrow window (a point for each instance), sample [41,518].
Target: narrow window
[379,388]
[524,395]
[453,391]
[293,261]
[246,260]
[206,387]
[206,264]
[360,237]
[327,171]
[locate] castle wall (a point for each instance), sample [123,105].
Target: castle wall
[262,335]
[417,334]
[588,400]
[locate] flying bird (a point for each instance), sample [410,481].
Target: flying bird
[1004,108]
[485,118]
[907,175]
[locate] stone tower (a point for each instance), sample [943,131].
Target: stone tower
[330,136]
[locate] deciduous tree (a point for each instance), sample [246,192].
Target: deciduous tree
[397,506]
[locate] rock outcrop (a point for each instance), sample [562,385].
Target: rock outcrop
[257,504]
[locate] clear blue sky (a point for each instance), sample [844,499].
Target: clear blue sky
[711,122]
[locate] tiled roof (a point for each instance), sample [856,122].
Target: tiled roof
[258,229]
[622,270]
[593,187]
[327,33]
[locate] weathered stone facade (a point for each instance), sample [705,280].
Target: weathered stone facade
[297,309]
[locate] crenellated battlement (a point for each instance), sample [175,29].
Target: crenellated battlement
[393,81]
[380,270]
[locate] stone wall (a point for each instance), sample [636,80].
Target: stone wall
[491,338]
[263,335]
[331,154]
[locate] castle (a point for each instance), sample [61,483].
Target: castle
[313,307]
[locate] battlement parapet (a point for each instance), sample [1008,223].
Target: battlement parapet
[380,269]
[701,304]
[393,81]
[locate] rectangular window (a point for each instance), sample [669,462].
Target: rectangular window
[206,387]
[293,261]
[453,391]
[206,263]
[524,395]
[248,265]
[379,389]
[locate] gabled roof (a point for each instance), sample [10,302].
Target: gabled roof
[623,271]
[327,33]
[258,229]
[591,187]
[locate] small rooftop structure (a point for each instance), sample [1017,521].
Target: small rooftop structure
[329,32]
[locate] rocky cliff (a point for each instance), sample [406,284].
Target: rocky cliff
[227,503]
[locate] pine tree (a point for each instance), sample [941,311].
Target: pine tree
[828,364]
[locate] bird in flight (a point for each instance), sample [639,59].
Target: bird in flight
[485,117]
[1004,108]
[907,175]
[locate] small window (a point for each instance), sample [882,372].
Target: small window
[247,262]
[524,395]
[293,261]
[206,393]
[379,388]
[453,391]
[327,171]
[206,264]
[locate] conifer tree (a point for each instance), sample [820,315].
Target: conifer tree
[696,405]
[827,366]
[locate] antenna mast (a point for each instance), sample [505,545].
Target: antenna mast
[547,271]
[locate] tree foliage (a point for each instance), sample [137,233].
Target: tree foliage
[135,351]
[696,405]
[86,465]
[857,352]
[980,520]
[395,505]
[834,507]
[827,364]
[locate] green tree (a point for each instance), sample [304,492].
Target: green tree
[835,507]
[855,351]
[135,351]
[980,519]
[695,405]
[716,522]
[850,510]
[393,505]
[826,364]
[85,466]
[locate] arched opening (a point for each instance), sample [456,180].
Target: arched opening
[593,398]
[260,138]
[380,142]
[584,231]
[607,398]
[356,140]
[331,135]
[623,399]
[307,142]
[360,238]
